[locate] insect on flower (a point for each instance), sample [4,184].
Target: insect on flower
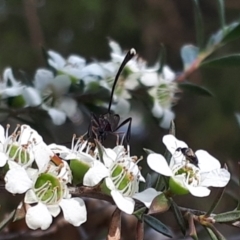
[189,155]
[108,123]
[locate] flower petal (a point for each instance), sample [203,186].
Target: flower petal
[74,211]
[95,174]
[42,79]
[168,116]
[58,117]
[3,159]
[159,164]
[206,162]
[126,204]
[157,110]
[30,197]
[173,143]
[146,196]
[198,191]
[38,217]
[54,210]
[42,156]
[109,156]
[215,178]
[17,180]
[31,96]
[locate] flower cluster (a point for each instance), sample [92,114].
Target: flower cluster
[33,170]
[62,89]
[44,173]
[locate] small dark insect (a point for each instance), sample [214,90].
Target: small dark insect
[107,123]
[189,154]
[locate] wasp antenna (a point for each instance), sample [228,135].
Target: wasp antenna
[131,53]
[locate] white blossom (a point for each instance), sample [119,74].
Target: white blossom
[163,90]
[123,180]
[188,176]
[23,146]
[48,192]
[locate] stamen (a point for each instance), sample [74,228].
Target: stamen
[7,130]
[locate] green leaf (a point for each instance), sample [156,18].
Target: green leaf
[231,32]
[179,217]
[7,219]
[214,234]
[226,35]
[196,89]
[226,61]
[216,201]
[159,204]
[211,234]
[221,10]
[227,216]
[198,24]
[139,213]
[162,58]
[157,225]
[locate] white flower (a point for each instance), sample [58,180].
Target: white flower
[10,87]
[23,146]
[58,106]
[123,180]
[85,166]
[187,175]
[72,66]
[48,190]
[162,91]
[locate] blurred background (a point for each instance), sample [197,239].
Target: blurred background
[82,27]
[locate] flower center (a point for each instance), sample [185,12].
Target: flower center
[125,176]
[48,189]
[165,93]
[191,173]
[18,154]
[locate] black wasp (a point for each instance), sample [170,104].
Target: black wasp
[107,123]
[189,155]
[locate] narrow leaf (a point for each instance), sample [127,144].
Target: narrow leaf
[216,201]
[7,219]
[226,35]
[159,204]
[226,61]
[227,216]
[179,217]
[211,234]
[221,10]
[162,58]
[139,213]
[231,33]
[114,232]
[198,90]
[214,233]
[157,225]
[198,24]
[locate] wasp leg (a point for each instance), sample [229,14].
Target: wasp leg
[128,132]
